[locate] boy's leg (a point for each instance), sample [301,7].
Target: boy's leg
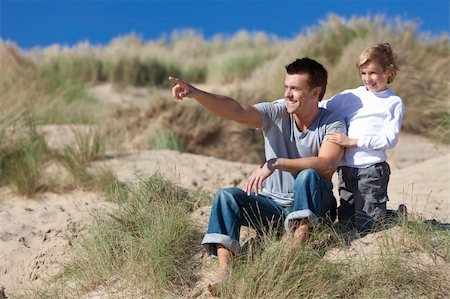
[373,182]
[348,191]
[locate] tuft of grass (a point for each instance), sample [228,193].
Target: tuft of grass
[47,96]
[88,147]
[83,66]
[133,71]
[273,270]
[236,65]
[104,181]
[396,270]
[144,243]
[22,154]
[430,236]
[166,139]
[62,100]
[25,165]
[426,99]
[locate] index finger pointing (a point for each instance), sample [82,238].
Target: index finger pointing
[176,80]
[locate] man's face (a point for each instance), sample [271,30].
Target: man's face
[299,96]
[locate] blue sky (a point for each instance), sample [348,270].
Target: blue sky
[31,23]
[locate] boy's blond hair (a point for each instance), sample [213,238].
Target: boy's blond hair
[384,55]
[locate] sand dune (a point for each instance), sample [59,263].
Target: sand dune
[424,188]
[36,234]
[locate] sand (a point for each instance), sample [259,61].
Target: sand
[37,234]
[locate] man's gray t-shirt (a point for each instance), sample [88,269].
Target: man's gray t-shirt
[282,139]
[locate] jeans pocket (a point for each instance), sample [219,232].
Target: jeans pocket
[373,184]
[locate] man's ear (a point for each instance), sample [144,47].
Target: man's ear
[316,92]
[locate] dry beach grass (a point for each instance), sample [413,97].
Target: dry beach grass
[83,131]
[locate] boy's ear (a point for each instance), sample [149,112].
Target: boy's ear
[389,73]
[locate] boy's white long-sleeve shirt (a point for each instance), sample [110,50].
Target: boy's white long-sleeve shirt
[373,118]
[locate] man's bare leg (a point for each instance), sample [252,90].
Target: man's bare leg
[224,256]
[301,233]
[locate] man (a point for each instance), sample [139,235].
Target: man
[294,184]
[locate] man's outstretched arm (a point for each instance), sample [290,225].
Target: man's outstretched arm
[220,105]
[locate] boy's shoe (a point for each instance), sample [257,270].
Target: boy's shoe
[402,214]
[402,210]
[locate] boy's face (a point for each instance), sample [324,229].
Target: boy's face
[374,77]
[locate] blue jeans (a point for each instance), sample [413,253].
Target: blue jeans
[232,207]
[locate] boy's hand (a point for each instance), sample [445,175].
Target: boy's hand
[340,138]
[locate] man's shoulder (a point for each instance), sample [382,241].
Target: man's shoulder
[275,103]
[350,91]
[271,107]
[332,121]
[328,115]
[341,99]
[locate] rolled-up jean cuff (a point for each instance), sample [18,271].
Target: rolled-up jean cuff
[210,240]
[300,214]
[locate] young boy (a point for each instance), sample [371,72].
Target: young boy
[373,114]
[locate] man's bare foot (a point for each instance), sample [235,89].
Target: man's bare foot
[301,234]
[222,276]
[224,257]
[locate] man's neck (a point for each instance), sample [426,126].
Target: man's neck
[303,122]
